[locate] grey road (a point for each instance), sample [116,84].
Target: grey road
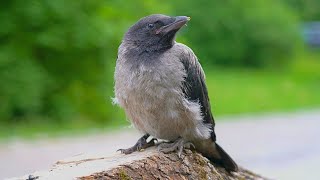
[279,146]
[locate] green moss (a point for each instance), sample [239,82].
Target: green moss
[123,175]
[200,161]
[202,173]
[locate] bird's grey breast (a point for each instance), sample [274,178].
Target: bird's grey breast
[148,87]
[148,74]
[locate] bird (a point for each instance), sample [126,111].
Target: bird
[161,86]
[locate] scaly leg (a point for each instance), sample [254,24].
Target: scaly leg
[141,144]
[178,144]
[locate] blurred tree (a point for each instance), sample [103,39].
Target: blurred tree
[307,10]
[252,33]
[57,57]
[48,48]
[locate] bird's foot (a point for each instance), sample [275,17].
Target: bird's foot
[178,145]
[140,145]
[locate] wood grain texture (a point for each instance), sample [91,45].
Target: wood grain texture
[149,164]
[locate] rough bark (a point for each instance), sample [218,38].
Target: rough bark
[140,165]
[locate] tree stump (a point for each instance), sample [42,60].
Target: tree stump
[149,164]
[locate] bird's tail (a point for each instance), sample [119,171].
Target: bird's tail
[225,160]
[216,154]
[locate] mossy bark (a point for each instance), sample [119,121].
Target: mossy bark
[169,166]
[149,164]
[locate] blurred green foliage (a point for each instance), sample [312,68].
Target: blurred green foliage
[53,54]
[306,10]
[57,57]
[253,33]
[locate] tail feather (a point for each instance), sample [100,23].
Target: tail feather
[225,160]
[216,154]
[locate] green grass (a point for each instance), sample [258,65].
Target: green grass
[236,92]
[231,91]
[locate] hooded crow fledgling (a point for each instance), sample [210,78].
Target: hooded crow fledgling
[161,86]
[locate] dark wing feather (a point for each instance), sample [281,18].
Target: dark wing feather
[194,86]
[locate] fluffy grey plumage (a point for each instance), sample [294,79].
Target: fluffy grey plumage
[161,86]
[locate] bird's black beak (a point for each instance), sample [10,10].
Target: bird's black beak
[178,22]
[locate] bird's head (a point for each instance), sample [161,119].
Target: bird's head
[155,32]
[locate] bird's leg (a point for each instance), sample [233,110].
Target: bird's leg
[141,144]
[178,145]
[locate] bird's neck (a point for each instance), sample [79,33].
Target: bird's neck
[146,47]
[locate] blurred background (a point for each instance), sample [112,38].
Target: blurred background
[57,62]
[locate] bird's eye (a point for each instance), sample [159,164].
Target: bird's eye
[150,26]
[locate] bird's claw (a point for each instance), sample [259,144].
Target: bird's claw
[126,151]
[177,145]
[139,146]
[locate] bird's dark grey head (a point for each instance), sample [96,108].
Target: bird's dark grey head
[155,32]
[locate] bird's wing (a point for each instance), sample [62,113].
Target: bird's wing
[194,86]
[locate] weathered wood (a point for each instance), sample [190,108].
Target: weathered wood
[149,164]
